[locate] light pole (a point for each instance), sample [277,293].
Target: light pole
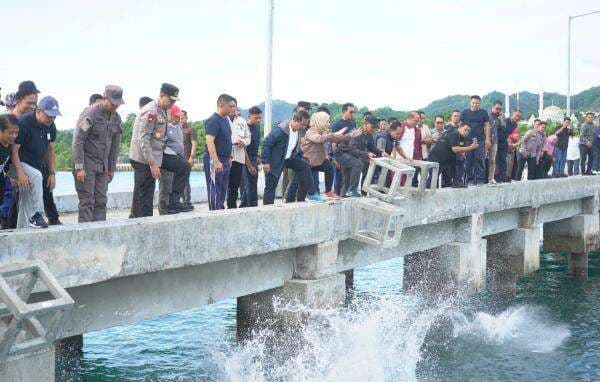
[268,96]
[569,59]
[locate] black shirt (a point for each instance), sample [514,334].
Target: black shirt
[219,128]
[442,150]
[4,158]
[252,148]
[563,139]
[34,140]
[341,123]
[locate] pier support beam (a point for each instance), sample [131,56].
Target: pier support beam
[514,253]
[316,284]
[35,366]
[69,357]
[576,236]
[457,267]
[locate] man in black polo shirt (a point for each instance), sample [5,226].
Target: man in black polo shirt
[33,152]
[249,193]
[445,151]
[560,149]
[217,153]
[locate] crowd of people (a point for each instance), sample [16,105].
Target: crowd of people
[473,147]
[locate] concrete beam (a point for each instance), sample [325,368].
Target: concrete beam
[37,366]
[578,234]
[514,252]
[316,261]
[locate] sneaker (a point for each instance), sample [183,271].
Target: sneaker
[353,194]
[37,221]
[55,222]
[492,182]
[332,195]
[459,185]
[316,198]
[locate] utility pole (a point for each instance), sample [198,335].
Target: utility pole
[569,58]
[268,122]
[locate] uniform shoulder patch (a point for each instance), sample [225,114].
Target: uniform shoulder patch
[85,123]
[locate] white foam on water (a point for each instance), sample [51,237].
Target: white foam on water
[379,340]
[526,327]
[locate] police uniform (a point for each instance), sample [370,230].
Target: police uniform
[96,142]
[148,140]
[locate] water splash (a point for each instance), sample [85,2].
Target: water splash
[378,340]
[525,327]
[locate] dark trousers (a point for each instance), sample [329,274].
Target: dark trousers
[521,162]
[501,166]
[533,168]
[180,169]
[143,190]
[301,170]
[249,193]
[337,175]
[448,173]
[49,205]
[586,157]
[235,180]
[459,176]
[475,165]
[217,183]
[351,170]
[573,167]
[596,156]
[326,168]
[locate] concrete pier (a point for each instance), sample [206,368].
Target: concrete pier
[458,267]
[121,272]
[38,366]
[577,236]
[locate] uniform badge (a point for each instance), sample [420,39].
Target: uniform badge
[151,117]
[158,132]
[161,120]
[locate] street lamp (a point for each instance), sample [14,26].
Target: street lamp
[269,89]
[569,60]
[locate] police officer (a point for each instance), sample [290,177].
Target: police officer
[148,141]
[95,151]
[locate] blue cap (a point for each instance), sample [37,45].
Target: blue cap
[49,105]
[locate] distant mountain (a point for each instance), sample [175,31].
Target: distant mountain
[528,102]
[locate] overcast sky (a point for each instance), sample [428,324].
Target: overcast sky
[373,53]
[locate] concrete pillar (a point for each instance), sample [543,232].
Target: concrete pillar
[69,357]
[456,267]
[516,251]
[316,284]
[256,312]
[349,280]
[578,264]
[576,236]
[37,366]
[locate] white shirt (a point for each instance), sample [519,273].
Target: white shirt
[407,143]
[573,148]
[239,130]
[291,143]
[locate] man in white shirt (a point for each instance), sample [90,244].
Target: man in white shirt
[240,137]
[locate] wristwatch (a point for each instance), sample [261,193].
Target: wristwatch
[52,172]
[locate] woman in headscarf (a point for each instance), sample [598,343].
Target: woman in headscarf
[314,149]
